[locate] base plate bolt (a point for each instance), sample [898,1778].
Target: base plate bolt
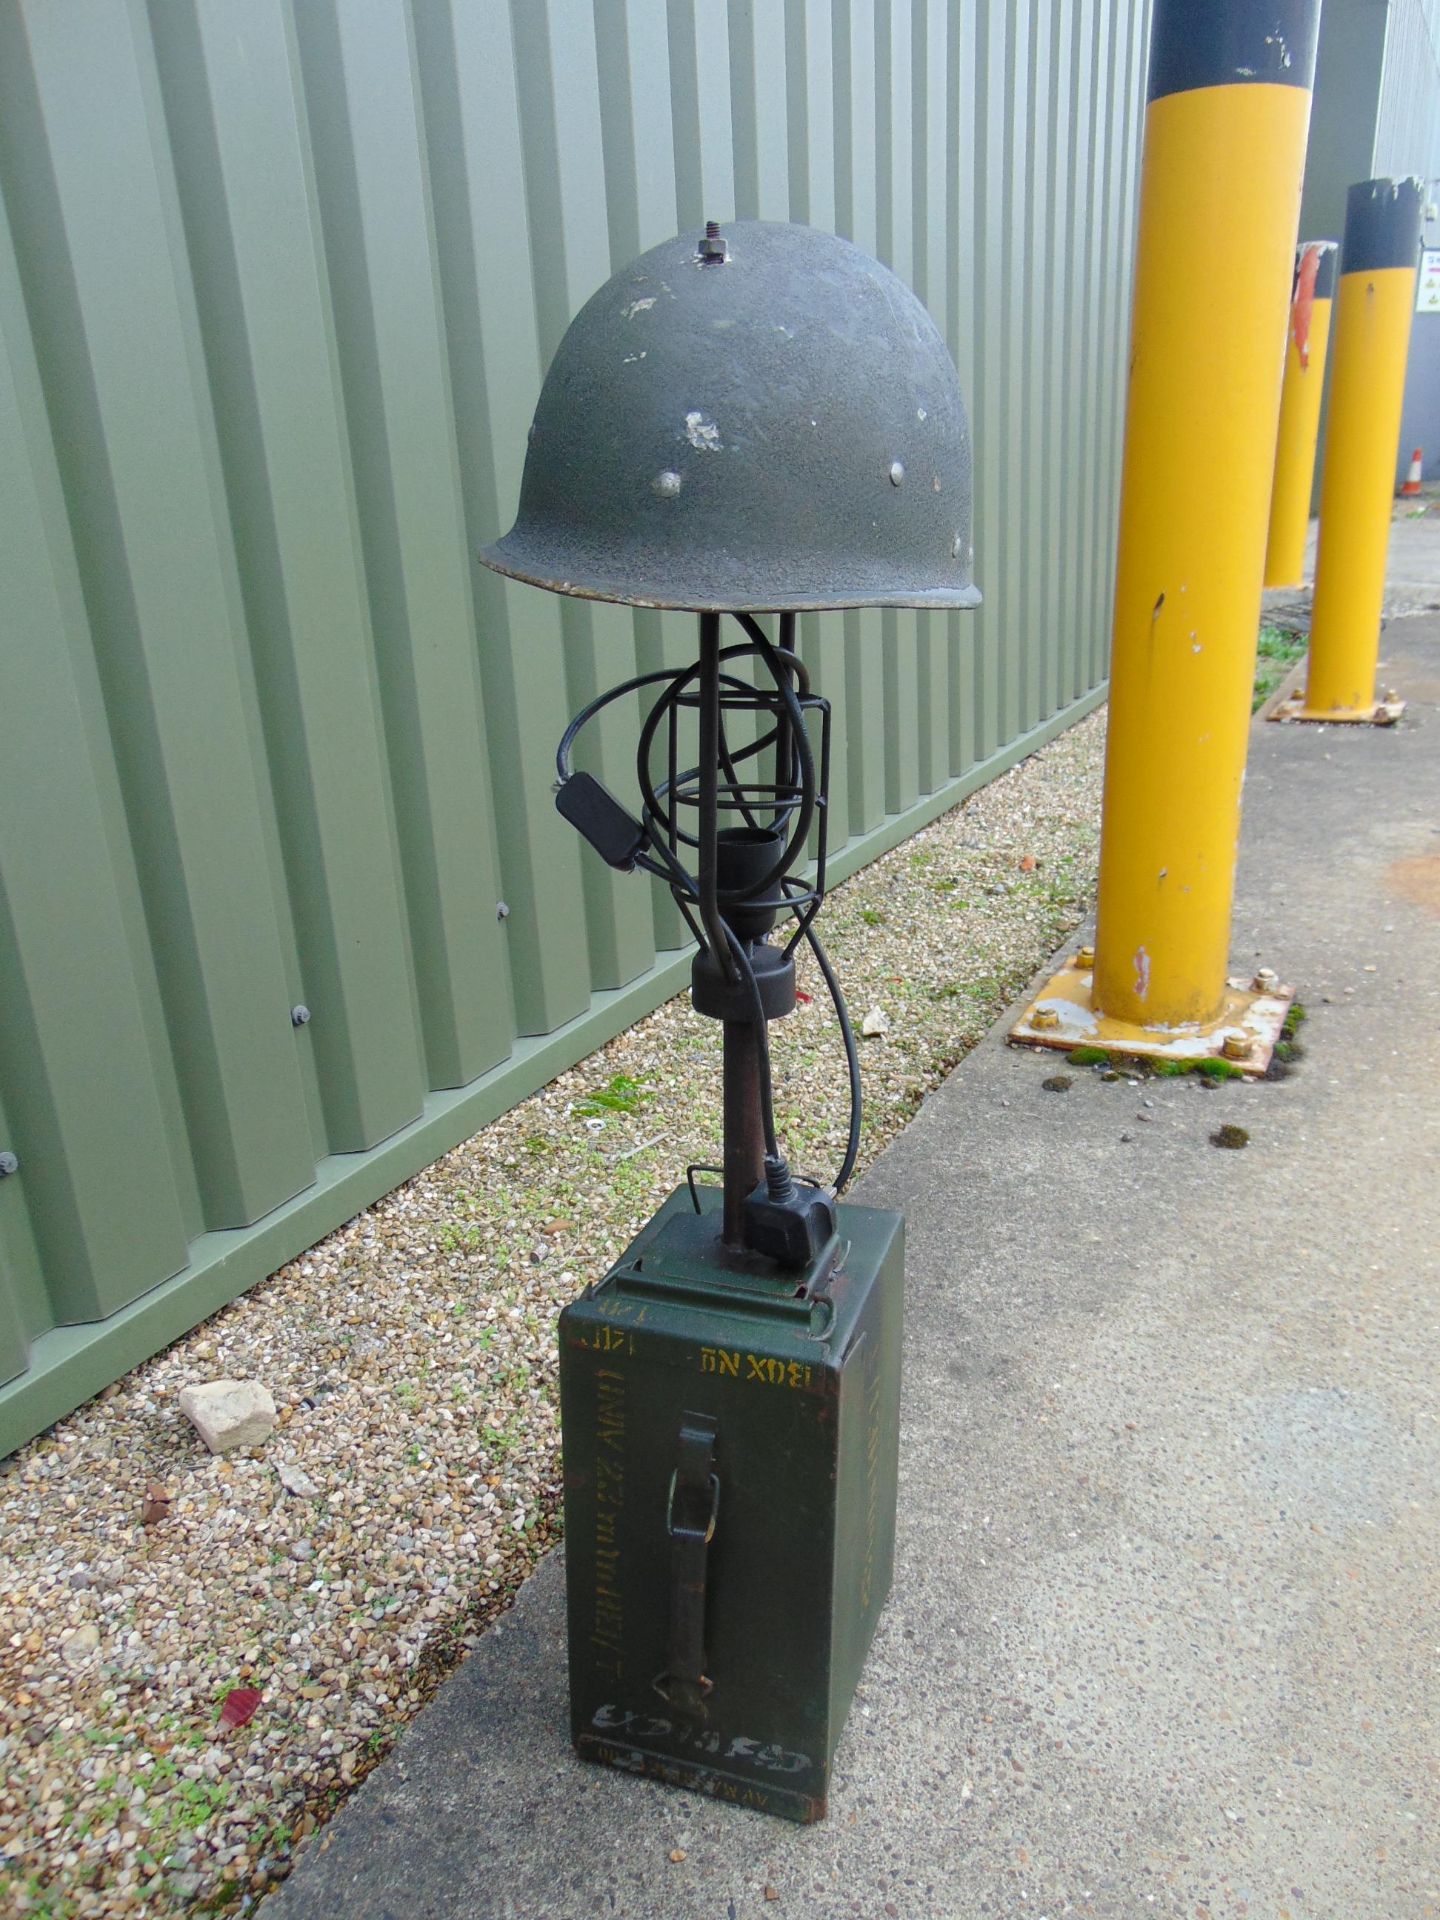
[1266,980]
[1237,1046]
[1084,957]
[1045,1019]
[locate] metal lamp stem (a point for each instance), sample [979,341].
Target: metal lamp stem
[744,1151]
[744,1155]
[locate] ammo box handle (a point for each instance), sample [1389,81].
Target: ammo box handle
[690,1513]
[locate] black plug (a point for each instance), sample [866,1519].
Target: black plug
[789,1224]
[617,836]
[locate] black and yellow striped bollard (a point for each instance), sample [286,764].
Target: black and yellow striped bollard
[1373,314]
[1224,156]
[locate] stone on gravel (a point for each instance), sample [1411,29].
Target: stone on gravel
[80,1643]
[295,1480]
[229,1413]
[875,1023]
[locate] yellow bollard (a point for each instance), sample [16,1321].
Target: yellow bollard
[1309,335]
[1225,130]
[1367,389]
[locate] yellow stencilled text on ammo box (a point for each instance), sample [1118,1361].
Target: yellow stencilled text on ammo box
[608,1339]
[607,1636]
[765,1368]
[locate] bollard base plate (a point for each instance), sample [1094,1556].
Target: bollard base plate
[1250,1018]
[1384,713]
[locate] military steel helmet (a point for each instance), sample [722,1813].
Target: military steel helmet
[766,420]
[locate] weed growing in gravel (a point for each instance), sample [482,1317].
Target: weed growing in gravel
[621,1094]
[985,987]
[199,1800]
[455,1239]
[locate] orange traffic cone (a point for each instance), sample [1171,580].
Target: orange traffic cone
[1412,479]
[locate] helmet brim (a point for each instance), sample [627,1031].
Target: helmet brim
[518,560]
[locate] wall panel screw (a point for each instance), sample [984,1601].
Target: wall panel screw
[502,912]
[299,1016]
[8,1164]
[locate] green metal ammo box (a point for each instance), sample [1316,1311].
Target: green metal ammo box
[731,1444]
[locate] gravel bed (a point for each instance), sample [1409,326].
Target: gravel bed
[411,1355]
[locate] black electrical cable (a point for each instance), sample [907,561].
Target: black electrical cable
[852,1060]
[588,713]
[762,1046]
[727,762]
[852,1054]
[795,796]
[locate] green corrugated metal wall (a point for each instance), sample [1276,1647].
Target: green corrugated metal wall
[278,280]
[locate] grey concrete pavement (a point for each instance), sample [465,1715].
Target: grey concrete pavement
[1163,1640]
[1410,562]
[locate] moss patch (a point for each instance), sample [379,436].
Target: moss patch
[1215,1068]
[1212,1067]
